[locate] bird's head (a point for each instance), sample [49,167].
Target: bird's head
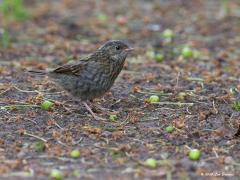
[116,50]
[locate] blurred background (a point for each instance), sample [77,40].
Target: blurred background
[65,29]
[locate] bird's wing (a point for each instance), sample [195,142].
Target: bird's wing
[72,69]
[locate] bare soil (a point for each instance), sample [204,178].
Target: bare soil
[204,118]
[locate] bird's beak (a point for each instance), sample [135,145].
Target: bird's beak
[129,49]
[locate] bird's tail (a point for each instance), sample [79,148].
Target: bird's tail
[37,72]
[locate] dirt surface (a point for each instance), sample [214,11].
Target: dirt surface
[196,93]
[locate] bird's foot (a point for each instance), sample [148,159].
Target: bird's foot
[98,108]
[92,113]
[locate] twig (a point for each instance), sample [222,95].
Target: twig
[215,152]
[199,102]
[173,103]
[188,147]
[195,79]
[6,90]
[32,121]
[78,141]
[60,142]
[178,75]
[17,105]
[58,125]
[131,72]
[36,91]
[158,93]
[22,174]
[35,136]
[215,109]
[26,91]
[188,110]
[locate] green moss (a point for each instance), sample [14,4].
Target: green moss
[236,105]
[4,39]
[14,10]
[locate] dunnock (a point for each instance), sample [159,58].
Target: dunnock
[92,76]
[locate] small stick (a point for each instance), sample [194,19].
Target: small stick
[215,152]
[188,147]
[158,93]
[26,91]
[58,125]
[195,79]
[178,75]
[18,105]
[36,91]
[173,103]
[188,110]
[215,109]
[37,137]
[77,142]
[63,144]
[6,90]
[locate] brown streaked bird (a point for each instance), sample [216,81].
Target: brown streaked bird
[93,76]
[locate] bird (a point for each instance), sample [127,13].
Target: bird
[91,77]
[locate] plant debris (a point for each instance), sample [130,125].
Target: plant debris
[186,58]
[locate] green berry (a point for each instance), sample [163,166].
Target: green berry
[150,54]
[154,99]
[56,174]
[113,117]
[159,57]
[76,173]
[194,154]
[167,34]
[170,129]
[151,163]
[102,17]
[181,96]
[46,105]
[75,153]
[187,52]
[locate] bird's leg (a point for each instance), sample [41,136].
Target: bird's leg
[91,112]
[98,108]
[108,111]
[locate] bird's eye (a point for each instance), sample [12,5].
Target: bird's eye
[117,48]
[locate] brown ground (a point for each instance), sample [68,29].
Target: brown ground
[60,30]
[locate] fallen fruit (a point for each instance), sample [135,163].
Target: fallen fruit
[187,52]
[168,34]
[56,174]
[154,98]
[75,153]
[170,129]
[194,154]
[46,105]
[159,57]
[151,163]
[181,96]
